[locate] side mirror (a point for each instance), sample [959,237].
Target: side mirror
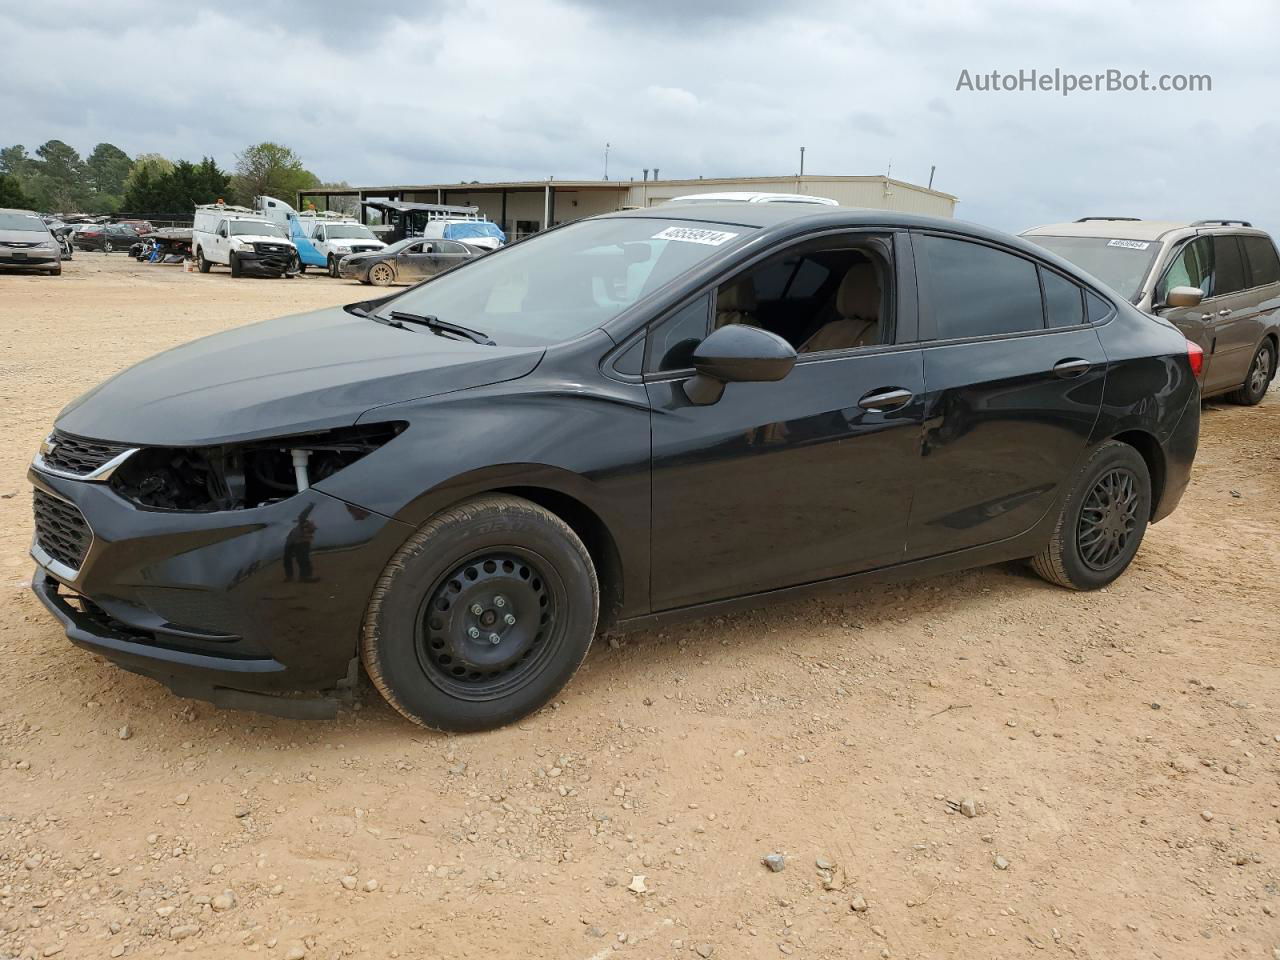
[1184,297]
[737,354]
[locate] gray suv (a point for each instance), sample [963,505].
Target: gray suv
[25,241]
[1217,280]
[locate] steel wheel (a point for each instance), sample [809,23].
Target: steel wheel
[487,626]
[1108,518]
[381,274]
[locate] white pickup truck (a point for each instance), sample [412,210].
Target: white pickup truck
[243,240]
[335,239]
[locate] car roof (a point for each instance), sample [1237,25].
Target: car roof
[31,213]
[1126,228]
[742,196]
[787,218]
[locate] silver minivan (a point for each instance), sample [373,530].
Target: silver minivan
[26,242]
[1217,280]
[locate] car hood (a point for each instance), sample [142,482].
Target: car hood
[315,371]
[261,238]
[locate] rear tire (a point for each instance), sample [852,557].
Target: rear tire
[434,658]
[1102,521]
[202,264]
[1258,379]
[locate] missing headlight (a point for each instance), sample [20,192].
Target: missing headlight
[243,475]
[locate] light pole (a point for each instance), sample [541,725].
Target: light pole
[606,161]
[802,161]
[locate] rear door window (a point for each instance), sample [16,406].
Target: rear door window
[980,291]
[1264,265]
[1228,276]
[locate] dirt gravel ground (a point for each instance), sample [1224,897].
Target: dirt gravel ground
[1121,749]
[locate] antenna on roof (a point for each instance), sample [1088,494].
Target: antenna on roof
[932,169]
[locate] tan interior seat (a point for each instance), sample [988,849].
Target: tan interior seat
[858,304]
[737,304]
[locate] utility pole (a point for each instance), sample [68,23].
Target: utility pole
[606,161]
[932,169]
[802,161]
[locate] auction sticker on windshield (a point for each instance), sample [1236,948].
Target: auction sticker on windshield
[1129,244]
[712,238]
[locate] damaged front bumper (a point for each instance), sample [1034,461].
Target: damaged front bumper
[226,606]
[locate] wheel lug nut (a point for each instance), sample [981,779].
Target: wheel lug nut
[477,609]
[473,632]
[495,639]
[509,620]
[499,601]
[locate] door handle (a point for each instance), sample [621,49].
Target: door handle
[1206,317]
[1074,367]
[891,398]
[1224,312]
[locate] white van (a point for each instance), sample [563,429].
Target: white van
[243,240]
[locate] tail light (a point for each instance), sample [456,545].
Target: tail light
[1195,356]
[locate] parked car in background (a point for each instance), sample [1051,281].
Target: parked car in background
[26,243]
[335,239]
[106,237]
[627,419]
[749,197]
[142,227]
[406,261]
[1217,280]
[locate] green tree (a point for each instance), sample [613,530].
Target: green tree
[14,160]
[11,194]
[152,164]
[270,169]
[107,169]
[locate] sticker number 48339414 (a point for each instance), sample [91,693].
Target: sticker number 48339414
[712,238]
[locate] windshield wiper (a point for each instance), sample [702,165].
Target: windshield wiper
[443,326]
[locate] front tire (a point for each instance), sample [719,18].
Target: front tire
[236,271]
[1256,382]
[333,267]
[482,616]
[381,274]
[1102,521]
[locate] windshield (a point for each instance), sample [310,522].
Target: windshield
[562,283]
[400,245]
[348,231]
[254,228]
[472,230]
[21,221]
[1122,265]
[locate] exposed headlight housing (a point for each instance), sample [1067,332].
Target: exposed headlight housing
[244,475]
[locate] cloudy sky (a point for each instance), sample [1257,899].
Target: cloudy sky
[523,89]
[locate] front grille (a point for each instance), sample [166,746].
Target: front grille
[78,456]
[61,529]
[364,249]
[270,248]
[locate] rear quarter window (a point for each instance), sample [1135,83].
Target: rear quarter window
[1264,265]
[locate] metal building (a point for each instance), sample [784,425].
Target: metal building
[524,207]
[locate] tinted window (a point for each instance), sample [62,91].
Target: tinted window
[1228,274]
[671,345]
[1264,266]
[1191,267]
[978,291]
[1098,308]
[1063,300]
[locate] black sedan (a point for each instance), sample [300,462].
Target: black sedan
[627,419]
[106,237]
[406,261]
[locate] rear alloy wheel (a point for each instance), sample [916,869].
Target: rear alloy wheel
[1102,521]
[107,247]
[482,616]
[381,274]
[1258,379]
